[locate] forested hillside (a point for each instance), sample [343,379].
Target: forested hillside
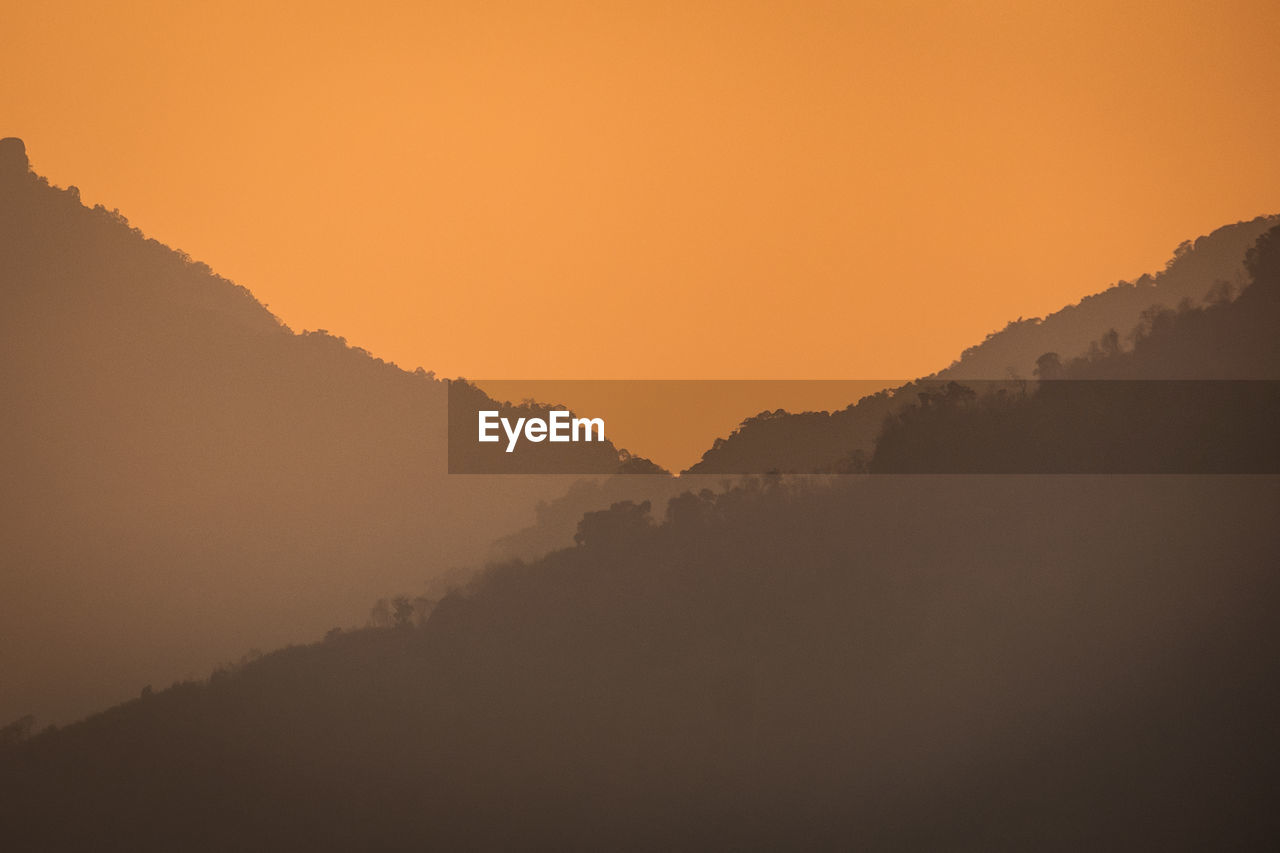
[1210,269]
[960,662]
[186,478]
[1197,392]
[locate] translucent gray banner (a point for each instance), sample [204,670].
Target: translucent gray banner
[656,427]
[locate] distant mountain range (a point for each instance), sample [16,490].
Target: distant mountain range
[1211,267]
[913,662]
[186,478]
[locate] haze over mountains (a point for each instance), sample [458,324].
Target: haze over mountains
[844,440]
[805,442]
[189,479]
[926,662]
[1212,264]
[186,478]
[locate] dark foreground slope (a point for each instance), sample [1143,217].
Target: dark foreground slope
[896,663]
[185,478]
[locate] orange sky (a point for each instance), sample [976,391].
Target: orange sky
[664,190]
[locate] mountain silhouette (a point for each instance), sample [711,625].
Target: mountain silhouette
[1197,392]
[895,662]
[973,663]
[1210,268]
[186,477]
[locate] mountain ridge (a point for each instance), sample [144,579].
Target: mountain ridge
[817,442]
[170,443]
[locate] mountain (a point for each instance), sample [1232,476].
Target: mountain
[844,441]
[186,478]
[1210,268]
[1198,392]
[959,662]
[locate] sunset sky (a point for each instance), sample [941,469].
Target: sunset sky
[658,190]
